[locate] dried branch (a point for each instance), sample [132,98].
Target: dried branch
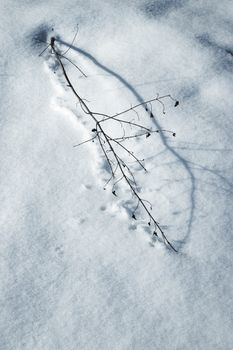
[118,167]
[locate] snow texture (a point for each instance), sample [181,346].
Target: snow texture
[76,271]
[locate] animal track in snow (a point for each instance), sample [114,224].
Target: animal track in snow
[103,208]
[86,187]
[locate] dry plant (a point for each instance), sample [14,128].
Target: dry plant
[112,147]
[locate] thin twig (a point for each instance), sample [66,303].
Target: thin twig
[107,146]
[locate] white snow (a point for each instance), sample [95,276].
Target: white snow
[76,271]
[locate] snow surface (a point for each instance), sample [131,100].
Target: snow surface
[76,272]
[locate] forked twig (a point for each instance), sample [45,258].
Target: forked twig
[119,169]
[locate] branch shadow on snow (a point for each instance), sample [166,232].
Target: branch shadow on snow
[223,54]
[168,147]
